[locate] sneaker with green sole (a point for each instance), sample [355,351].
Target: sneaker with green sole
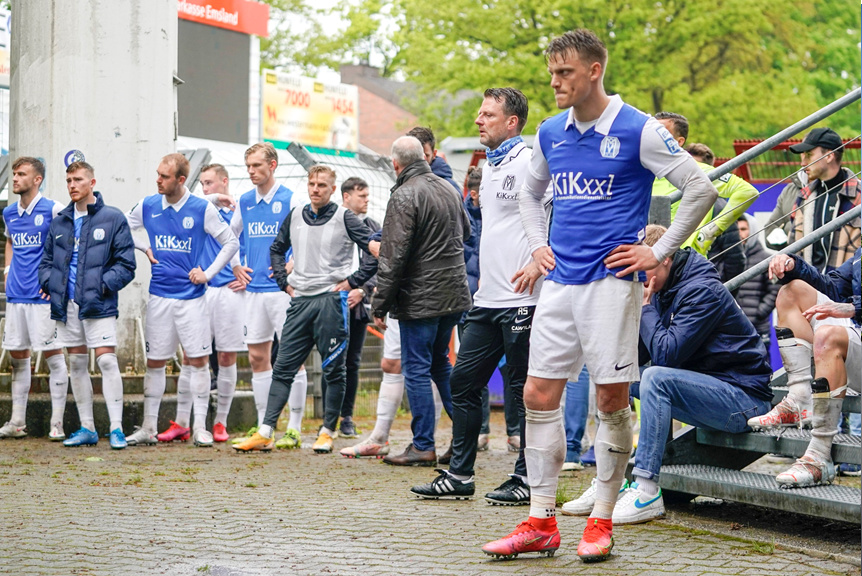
[290,440]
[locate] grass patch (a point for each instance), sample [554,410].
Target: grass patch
[134,481]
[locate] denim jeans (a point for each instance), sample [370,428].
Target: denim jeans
[690,397]
[425,355]
[577,406]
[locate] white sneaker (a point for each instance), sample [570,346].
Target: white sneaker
[56,434]
[203,438]
[633,507]
[142,437]
[10,430]
[584,505]
[572,466]
[807,471]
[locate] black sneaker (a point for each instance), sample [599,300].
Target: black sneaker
[512,492]
[445,486]
[347,429]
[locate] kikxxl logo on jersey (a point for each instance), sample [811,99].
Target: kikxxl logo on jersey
[573,186]
[22,239]
[170,243]
[258,229]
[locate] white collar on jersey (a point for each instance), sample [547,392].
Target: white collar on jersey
[179,204]
[606,120]
[29,208]
[268,196]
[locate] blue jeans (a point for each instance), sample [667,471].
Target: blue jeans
[690,397]
[425,355]
[577,406]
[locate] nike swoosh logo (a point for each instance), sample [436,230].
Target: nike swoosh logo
[639,504]
[529,541]
[618,367]
[105,337]
[207,346]
[155,215]
[58,236]
[521,320]
[557,144]
[13,220]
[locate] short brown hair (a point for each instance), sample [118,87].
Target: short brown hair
[180,162]
[581,42]
[80,165]
[678,122]
[703,152]
[424,135]
[653,233]
[352,184]
[267,148]
[37,164]
[322,169]
[474,177]
[220,170]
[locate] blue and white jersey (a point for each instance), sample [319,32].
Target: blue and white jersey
[73,262]
[27,229]
[258,220]
[602,176]
[212,248]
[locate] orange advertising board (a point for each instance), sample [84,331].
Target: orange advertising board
[244,16]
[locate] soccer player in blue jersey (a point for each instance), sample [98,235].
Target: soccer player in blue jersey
[178,226]
[601,156]
[256,221]
[28,316]
[89,257]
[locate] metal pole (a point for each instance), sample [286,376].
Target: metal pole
[770,143]
[761,267]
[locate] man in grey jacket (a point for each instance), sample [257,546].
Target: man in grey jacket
[422,281]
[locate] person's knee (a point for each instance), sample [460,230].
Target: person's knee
[156,364]
[390,366]
[829,341]
[226,358]
[793,294]
[199,362]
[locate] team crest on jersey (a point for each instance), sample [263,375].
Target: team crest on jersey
[188,222]
[509,182]
[276,207]
[610,147]
[38,220]
[99,234]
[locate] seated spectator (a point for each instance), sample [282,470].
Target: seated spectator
[822,310]
[757,296]
[708,368]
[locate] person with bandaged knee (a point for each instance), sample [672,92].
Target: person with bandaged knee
[819,312]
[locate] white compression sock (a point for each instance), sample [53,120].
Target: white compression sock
[82,389]
[154,389]
[185,398]
[438,404]
[226,389]
[112,388]
[59,385]
[544,452]
[613,448]
[296,400]
[200,389]
[824,424]
[388,400]
[796,357]
[20,390]
[260,384]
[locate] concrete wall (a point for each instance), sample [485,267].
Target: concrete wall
[97,76]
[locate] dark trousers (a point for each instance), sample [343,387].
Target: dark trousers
[488,335]
[312,320]
[352,363]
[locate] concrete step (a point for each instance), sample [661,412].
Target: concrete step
[242,416]
[851,403]
[790,442]
[831,501]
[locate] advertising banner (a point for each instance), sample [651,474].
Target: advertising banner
[245,16]
[310,112]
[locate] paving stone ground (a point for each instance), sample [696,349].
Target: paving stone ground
[179,510]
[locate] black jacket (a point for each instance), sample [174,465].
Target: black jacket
[422,272]
[757,296]
[106,260]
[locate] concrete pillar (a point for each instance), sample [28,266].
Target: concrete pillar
[97,76]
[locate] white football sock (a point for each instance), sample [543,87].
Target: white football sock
[265,430]
[613,449]
[200,388]
[82,389]
[545,452]
[226,389]
[325,430]
[824,424]
[647,486]
[112,388]
[20,390]
[796,357]
[296,400]
[154,389]
[260,385]
[185,398]
[59,385]
[388,400]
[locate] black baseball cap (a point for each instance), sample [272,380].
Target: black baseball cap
[824,137]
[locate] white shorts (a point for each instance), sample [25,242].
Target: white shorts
[264,315]
[595,323]
[225,309]
[89,332]
[29,327]
[171,322]
[392,339]
[853,363]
